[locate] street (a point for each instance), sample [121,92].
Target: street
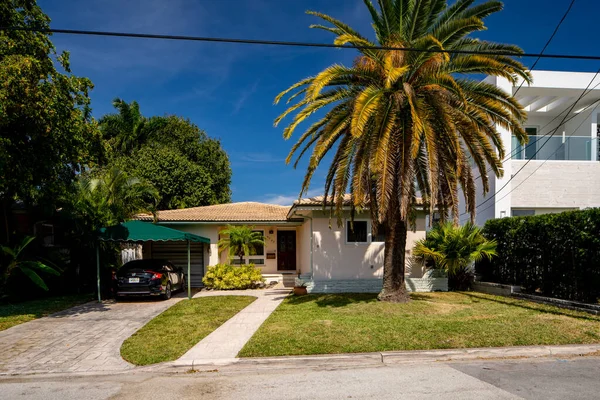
[549,378]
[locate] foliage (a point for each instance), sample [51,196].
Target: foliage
[229,277]
[188,168]
[12,313]
[172,333]
[402,123]
[240,241]
[455,249]
[556,255]
[342,323]
[15,260]
[47,133]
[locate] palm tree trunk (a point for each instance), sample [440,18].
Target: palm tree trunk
[394,287]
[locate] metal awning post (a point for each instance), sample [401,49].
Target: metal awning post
[98,271]
[189,281]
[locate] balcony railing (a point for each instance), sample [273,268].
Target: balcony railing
[568,148]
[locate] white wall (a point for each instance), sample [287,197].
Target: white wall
[333,258]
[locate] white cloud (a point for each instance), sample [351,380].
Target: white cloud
[288,199]
[261,158]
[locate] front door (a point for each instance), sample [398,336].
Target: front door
[286,250]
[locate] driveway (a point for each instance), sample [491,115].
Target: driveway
[85,338]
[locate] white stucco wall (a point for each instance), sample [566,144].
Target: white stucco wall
[333,258]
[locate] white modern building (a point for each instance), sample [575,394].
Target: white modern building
[559,169]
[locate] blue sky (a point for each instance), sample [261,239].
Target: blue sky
[228,89]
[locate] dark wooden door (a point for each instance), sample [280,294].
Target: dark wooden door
[286,250]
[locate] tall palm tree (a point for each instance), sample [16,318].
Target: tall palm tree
[407,124]
[240,241]
[124,130]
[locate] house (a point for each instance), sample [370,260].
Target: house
[300,240]
[559,169]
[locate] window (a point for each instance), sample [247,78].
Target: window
[522,213]
[256,254]
[528,151]
[356,232]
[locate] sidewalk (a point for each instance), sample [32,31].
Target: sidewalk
[223,344]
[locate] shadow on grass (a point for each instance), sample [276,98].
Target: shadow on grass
[522,304]
[333,300]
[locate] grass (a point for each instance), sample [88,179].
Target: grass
[12,314]
[350,323]
[172,333]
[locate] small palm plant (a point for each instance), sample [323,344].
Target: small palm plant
[455,249]
[240,241]
[14,260]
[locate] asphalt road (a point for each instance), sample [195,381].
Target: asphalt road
[515,379]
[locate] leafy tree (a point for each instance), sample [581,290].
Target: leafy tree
[402,124]
[187,167]
[240,241]
[46,130]
[455,249]
[14,260]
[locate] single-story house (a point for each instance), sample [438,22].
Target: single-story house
[300,241]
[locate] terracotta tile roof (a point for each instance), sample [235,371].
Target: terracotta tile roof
[231,212]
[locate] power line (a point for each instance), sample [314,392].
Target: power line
[296,44]
[540,166]
[548,42]
[542,146]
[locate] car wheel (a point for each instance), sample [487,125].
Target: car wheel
[167,294]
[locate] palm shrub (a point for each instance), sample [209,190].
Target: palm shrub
[240,241]
[229,277]
[455,249]
[400,124]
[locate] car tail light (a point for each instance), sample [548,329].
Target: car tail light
[156,276]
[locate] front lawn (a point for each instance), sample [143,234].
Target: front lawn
[350,323]
[12,314]
[172,333]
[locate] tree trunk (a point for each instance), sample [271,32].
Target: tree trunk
[394,287]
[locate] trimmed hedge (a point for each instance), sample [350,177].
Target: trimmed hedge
[231,277]
[555,255]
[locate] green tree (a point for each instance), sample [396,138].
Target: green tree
[124,131]
[188,168]
[14,259]
[455,249]
[47,133]
[402,124]
[240,241]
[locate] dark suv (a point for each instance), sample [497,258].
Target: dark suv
[150,277]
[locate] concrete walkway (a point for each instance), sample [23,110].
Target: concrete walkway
[223,344]
[85,338]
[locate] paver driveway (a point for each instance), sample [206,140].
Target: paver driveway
[81,339]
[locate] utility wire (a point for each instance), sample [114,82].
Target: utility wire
[540,166]
[548,42]
[541,147]
[296,44]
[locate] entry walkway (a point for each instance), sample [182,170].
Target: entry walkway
[224,343]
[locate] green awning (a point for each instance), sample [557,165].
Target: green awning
[139,231]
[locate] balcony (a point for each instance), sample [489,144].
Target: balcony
[562,148]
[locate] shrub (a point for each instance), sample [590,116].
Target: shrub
[228,277]
[555,255]
[455,249]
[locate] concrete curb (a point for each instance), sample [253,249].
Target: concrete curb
[382,358]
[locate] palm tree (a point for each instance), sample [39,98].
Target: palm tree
[407,124]
[455,249]
[240,241]
[14,260]
[125,130]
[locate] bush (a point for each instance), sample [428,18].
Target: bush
[555,255]
[228,277]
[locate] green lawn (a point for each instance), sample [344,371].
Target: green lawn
[349,323]
[12,314]
[172,333]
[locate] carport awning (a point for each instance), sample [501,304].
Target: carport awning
[139,231]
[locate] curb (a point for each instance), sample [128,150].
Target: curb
[381,358]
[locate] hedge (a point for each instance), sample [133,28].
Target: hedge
[554,255]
